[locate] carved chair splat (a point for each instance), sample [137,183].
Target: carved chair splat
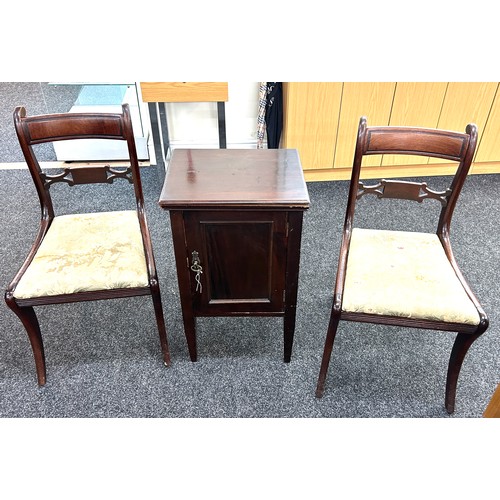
[83,257]
[432,293]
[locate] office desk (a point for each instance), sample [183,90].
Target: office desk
[236,218]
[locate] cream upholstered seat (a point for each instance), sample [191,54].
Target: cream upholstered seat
[405,275]
[399,277]
[84,256]
[87,252]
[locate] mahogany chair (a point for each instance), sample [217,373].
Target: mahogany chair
[89,256]
[405,278]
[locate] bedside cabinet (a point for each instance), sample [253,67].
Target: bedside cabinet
[236,218]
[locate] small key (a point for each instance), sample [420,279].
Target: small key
[198,270]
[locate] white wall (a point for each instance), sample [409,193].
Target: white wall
[195,124]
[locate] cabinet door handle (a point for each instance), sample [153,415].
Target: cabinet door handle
[197,269]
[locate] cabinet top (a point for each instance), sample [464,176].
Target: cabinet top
[239,178]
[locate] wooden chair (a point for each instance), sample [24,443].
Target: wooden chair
[406,278]
[89,256]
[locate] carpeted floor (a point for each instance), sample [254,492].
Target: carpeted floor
[37,98]
[103,358]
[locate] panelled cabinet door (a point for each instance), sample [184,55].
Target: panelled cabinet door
[242,256]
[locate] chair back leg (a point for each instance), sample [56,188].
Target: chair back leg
[327,352]
[460,347]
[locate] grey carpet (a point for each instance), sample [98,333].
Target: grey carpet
[103,358]
[38,98]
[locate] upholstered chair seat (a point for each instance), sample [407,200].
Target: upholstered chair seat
[87,252]
[404,274]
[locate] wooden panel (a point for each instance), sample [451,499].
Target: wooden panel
[466,102]
[489,146]
[310,121]
[372,100]
[239,260]
[427,104]
[184,91]
[243,259]
[416,104]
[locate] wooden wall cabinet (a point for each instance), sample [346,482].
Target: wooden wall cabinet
[358,99]
[312,130]
[321,120]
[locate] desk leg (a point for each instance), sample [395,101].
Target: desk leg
[164,129]
[221,118]
[179,238]
[292,280]
[155,130]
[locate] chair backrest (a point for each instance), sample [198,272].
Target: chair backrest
[444,144]
[32,130]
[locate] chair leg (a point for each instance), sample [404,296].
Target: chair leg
[327,352]
[462,343]
[160,321]
[30,322]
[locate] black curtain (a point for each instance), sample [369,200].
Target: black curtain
[274,114]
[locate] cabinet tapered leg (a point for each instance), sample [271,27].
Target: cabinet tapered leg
[183,278]
[292,279]
[190,332]
[289,329]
